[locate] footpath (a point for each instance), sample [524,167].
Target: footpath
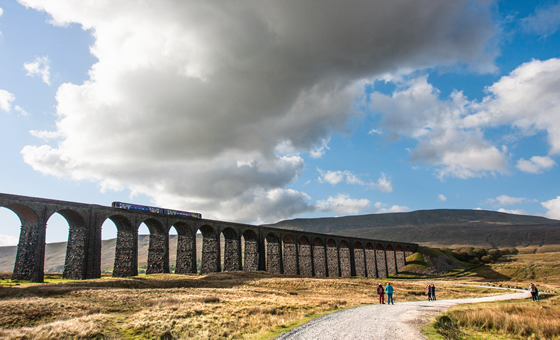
[383,322]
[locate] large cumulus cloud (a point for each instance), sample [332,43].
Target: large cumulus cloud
[190,101]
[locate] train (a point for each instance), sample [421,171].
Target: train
[146,208]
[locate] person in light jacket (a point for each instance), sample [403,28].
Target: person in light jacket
[389,291]
[381,293]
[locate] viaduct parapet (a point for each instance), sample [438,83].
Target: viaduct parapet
[246,247]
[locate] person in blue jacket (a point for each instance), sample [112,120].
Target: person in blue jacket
[389,291]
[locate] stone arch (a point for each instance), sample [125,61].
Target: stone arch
[407,251]
[29,263]
[158,248]
[273,254]
[305,259]
[399,258]
[76,262]
[333,268]
[391,260]
[359,259]
[371,268]
[345,261]
[251,248]
[186,249]
[232,250]
[381,261]
[210,261]
[290,255]
[126,247]
[319,258]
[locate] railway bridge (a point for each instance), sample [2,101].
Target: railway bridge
[246,247]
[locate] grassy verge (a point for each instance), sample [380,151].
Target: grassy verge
[221,305]
[499,320]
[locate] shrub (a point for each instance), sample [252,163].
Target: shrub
[487,259]
[494,253]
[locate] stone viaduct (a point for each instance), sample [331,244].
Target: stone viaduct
[278,251]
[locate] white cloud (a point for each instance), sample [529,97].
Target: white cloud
[343,204]
[335,177]
[527,99]
[1,11]
[414,110]
[39,67]
[21,111]
[45,135]
[6,99]
[451,133]
[545,21]
[375,131]
[189,101]
[7,240]
[441,197]
[514,211]
[506,200]
[553,208]
[536,164]
[319,152]
[381,208]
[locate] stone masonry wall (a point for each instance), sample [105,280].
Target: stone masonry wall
[305,265]
[251,255]
[345,266]
[210,255]
[381,264]
[332,262]
[75,254]
[391,265]
[319,261]
[273,258]
[400,260]
[157,254]
[232,262]
[26,257]
[186,255]
[359,261]
[371,270]
[290,259]
[126,254]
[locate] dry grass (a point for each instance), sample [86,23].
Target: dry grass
[520,320]
[222,305]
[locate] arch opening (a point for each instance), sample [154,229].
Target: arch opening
[12,225]
[66,229]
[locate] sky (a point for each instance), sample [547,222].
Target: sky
[260,111]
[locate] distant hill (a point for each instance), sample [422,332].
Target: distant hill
[55,254]
[442,227]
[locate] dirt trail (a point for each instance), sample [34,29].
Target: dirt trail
[383,322]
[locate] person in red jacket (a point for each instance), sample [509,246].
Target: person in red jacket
[381,293]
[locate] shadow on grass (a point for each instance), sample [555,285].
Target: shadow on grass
[154,281]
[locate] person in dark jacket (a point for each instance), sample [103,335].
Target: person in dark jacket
[433,288]
[534,292]
[429,292]
[381,293]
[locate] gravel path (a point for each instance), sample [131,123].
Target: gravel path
[382,322]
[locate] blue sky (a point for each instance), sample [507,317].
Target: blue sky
[258,112]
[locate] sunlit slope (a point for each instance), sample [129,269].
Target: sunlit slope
[444,227]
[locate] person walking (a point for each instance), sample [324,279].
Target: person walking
[381,293]
[433,292]
[533,289]
[429,292]
[389,291]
